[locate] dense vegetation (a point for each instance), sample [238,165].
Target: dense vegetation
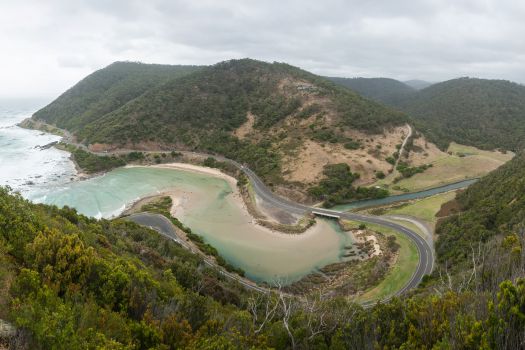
[495,205]
[219,97]
[78,283]
[384,90]
[486,114]
[337,188]
[107,90]
[91,163]
[200,111]
[70,282]
[407,171]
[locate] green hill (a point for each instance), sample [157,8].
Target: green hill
[105,91]
[72,282]
[385,90]
[255,112]
[218,98]
[487,114]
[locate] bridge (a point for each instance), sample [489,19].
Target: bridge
[326,213]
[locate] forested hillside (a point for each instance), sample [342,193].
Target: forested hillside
[218,98]
[269,116]
[494,206]
[487,114]
[385,90]
[70,282]
[107,90]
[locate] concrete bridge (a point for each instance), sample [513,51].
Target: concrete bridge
[327,213]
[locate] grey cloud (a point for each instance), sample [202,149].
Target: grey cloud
[57,42]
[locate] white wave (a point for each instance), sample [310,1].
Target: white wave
[25,168]
[116,213]
[41,199]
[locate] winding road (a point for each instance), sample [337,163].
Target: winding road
[166,228]
[163,225]
[425,251]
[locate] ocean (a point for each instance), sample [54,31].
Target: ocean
[23,165]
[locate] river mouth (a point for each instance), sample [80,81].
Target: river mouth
[208,206]
[210,210]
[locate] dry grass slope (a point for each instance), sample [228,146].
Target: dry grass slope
[458,163]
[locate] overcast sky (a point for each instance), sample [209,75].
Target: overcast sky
[48,45]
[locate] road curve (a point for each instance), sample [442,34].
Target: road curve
[425,251]
[163,225]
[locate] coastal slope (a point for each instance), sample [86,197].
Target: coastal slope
[285,123]
[71,281]
[106,90]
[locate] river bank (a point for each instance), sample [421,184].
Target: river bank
[185,202]
[205,201]
[214,214]
[258,209]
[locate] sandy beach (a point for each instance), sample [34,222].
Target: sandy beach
[198,169]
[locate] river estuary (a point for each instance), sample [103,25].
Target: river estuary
[45,176]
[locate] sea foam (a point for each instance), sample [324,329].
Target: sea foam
[25,167]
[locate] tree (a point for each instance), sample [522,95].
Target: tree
[62,259]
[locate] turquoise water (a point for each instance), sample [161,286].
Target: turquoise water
[403,197]
[106,195]
[212,212]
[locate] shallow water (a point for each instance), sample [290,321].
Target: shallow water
[265,256]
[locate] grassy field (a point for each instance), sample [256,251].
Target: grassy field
[458,150]
[425,208]
[459,163]
[399,274]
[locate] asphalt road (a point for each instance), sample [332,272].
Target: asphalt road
[425,251]
[164,226]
